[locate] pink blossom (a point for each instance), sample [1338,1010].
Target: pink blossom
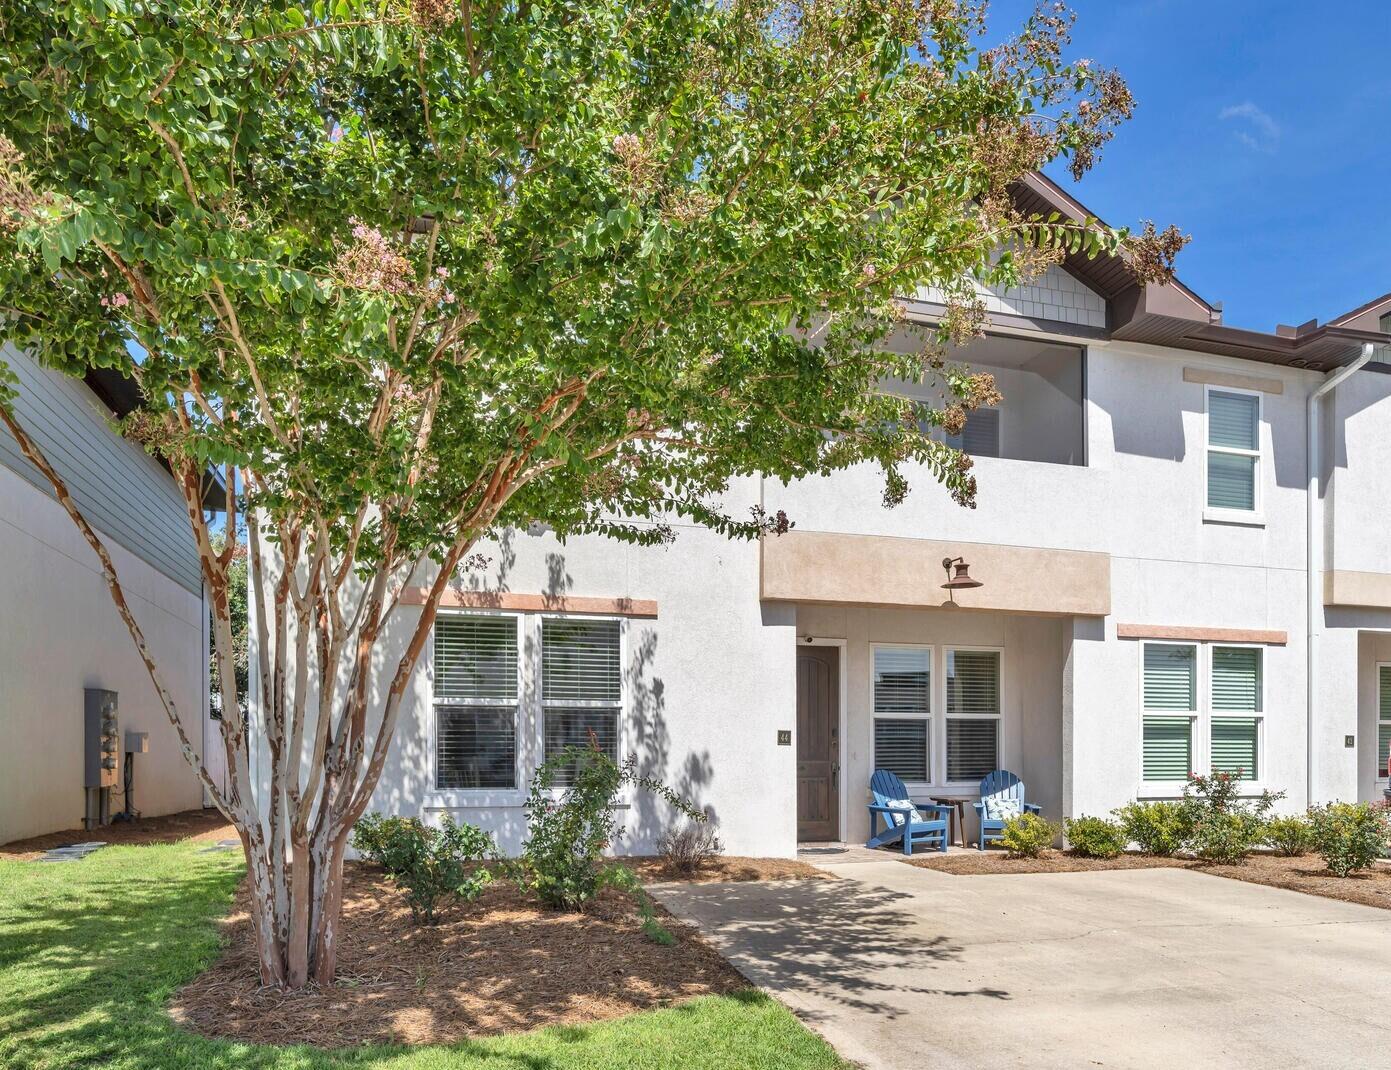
[118,300]
[442,272]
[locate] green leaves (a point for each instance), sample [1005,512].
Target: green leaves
[586,264]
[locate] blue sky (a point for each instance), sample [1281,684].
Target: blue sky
[1262,129]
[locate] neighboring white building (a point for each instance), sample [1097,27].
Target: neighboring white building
[60,633]
[1143,540]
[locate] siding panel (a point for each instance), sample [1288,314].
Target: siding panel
[120,489]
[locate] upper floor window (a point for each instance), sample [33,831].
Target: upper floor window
[981,435]
[1233,450]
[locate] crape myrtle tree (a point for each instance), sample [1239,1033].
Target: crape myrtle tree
[406,274]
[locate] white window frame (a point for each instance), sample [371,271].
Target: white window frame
[1381,778]
[1255,515]
[480,796]
[930,736]
[1200,719]
[621,707]
[998,717]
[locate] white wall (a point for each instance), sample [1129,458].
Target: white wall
[60,633]
[708,684]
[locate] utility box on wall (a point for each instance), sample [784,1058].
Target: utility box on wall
[101,752]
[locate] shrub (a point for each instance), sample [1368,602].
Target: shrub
[1289,836]
[690,848]
[1027,835]
[1349,836]
[1226,828]
[563,859]
[1157,828]
[430,864]
[374,831]
[1095,837]
[1227,838]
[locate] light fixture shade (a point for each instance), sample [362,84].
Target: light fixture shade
[958,575]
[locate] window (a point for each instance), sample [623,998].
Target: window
[581,686]
[973,714]
[1383,719]
[981,435]
[1170,705]
[1236,689]
[1185,728]
[475,702]
[902,711]
[1233,450]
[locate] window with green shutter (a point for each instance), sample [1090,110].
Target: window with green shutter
[1171,702]
[1168,748]
[1236,688]
[1233,450]
[1383,719]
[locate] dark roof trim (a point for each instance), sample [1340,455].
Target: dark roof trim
[1173,315]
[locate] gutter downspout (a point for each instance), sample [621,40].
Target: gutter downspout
[1314,565]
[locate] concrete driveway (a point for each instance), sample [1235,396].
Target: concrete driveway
[901,967]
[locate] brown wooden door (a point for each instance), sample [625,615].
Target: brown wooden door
[818,743]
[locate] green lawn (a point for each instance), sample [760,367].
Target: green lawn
[90,951]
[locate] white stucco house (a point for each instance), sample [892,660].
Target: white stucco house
[1182,546]
[59,632]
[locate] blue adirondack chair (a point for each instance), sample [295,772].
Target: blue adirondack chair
[886,787]
[1001,785]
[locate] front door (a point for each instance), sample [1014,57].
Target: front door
[818,743]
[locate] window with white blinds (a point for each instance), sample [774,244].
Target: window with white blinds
[1168,748]
[1383,719]
[1233,450]
[902,709]
[581,686]
[973,714]
[1171,678]
[475,702]
[980,437]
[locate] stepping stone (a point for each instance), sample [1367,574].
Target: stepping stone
[71,852]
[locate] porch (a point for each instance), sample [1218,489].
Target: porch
[938,696]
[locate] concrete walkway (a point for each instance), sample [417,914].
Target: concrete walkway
[901,967]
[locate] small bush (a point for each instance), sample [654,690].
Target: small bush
[1226,828]
[1028,835]
[430,864]
[1095,837]
[1227,838]
[1349,836]
[563,859]
[690,848]
[1157,828]
[374,832]
[1289,836]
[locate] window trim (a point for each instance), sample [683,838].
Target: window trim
[1200,719]
[998,716]
[517,706]
[929,718]
[1380,778]
[541,703]
[1255,515]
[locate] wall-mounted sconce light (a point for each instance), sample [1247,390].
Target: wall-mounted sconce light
[958,576]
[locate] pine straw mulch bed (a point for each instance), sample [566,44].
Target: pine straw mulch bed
[655,870]
[498,965]
[1306,874]
[207,825]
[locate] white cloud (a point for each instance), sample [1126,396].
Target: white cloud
[1255,128]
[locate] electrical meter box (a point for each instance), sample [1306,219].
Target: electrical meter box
[101,758]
